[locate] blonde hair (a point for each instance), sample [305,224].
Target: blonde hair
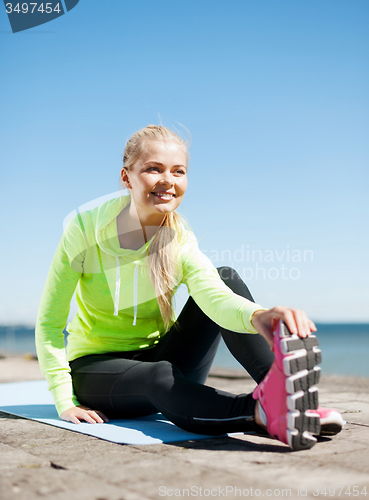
[163,248]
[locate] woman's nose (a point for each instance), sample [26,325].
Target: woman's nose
[166,179]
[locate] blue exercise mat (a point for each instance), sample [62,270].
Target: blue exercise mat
[33,400]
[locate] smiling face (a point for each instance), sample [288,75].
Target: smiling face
[158,180]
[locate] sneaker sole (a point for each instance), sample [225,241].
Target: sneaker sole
[304,354]
[302,400]
[302,375]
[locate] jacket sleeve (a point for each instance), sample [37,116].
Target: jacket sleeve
[211,294]
[62,279]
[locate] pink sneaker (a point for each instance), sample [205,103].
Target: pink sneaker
[331,421]
[288,390]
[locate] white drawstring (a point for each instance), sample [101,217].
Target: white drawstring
[135,293]
[117,288]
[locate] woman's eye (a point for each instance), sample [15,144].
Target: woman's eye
[152,169]
[180,171]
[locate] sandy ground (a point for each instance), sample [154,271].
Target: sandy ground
[39,461]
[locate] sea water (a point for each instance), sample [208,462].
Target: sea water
[345,348]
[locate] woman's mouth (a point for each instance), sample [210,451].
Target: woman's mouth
[164,196]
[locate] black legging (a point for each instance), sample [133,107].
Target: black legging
[169,378]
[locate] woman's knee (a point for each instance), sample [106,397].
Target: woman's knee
[234,281]
[228,273]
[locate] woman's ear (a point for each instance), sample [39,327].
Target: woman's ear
[125,179]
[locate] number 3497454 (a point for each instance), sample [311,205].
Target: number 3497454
[32,7]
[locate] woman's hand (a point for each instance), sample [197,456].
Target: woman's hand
[265,322]
[78,413]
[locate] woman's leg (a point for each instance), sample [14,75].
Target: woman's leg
[192,347]
[128,388]
[251,350]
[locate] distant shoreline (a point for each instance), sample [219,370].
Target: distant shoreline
[21,326]
[345,348]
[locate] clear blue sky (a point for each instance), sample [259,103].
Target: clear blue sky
[275,97]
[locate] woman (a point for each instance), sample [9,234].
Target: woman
[126,354]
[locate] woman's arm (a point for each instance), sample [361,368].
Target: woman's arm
[51,320]
[66,270]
